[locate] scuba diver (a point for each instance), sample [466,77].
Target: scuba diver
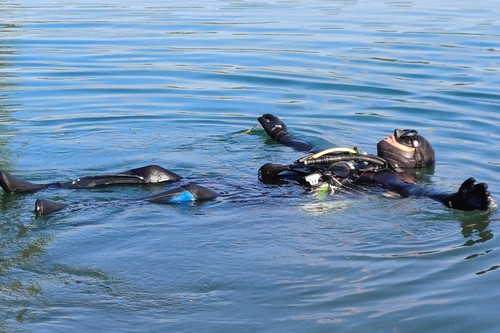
[339,168]
[148,175]
[336,168]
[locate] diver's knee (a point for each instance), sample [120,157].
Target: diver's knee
[200,192]
[155,174]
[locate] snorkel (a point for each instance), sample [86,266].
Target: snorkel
[423,155]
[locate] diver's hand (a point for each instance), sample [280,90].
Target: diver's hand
[269,172]
[471,196]
[273,126]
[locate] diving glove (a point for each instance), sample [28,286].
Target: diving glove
[471,196]
[273,126]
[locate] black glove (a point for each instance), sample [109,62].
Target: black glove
[268,173]
[273,126]
[470,196]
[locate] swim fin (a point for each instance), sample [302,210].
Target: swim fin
[11,184]
[45,206]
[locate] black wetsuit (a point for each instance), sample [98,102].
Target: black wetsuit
[470,196]
[347,174]
[151,174]
[338,172]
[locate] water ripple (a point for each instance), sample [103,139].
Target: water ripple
[88,88]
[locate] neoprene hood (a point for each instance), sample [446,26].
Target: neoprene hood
[422,157]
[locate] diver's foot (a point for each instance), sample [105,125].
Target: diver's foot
[11,184]
[45,206]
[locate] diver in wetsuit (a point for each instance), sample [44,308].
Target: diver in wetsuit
[344,168]
[341,168]
[148,175]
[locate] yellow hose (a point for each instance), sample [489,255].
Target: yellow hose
[334,150]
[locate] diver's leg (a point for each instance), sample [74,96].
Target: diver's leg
[151,174]
[183,193]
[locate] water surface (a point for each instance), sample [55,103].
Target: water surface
[89,87]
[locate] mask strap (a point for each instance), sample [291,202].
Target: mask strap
[419,158]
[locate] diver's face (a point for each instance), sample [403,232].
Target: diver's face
[392,141]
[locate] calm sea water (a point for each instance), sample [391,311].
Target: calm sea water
[90,87]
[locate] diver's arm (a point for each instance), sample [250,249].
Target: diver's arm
[271,173]
[276,129]
[470,196]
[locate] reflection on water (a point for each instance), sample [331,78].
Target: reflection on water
[89,88]
[6,52]
[15,290]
